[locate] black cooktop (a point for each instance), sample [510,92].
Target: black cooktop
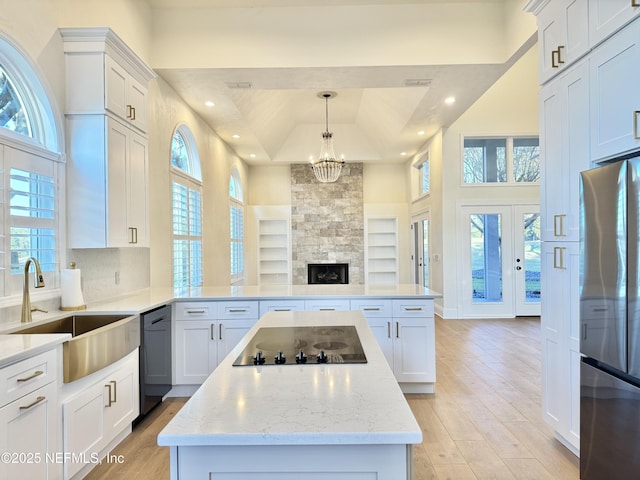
[309,345]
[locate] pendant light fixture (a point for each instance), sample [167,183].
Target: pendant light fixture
[327,168]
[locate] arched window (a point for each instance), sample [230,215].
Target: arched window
[187,211]
[30,141]
[236,215]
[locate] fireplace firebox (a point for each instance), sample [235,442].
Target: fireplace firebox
[327,273]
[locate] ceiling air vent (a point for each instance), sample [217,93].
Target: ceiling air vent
[241,85]
[417,82]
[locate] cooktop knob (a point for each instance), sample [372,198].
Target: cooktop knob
[280,358]
[322,357]
[258,359]
[301,357]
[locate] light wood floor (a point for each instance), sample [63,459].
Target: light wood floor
[484,421]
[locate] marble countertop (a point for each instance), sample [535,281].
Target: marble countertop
[292,404]
[14,348]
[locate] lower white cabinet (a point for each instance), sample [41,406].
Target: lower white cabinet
[99,413]
[29,435]
[560,328]
[202,344]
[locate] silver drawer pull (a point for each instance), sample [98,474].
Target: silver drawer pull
[327,309]
[37,373]
[237,310]
[281,309]
[413,309]
[33,404]
[371,309]
[196,311]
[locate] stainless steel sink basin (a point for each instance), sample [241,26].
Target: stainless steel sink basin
[98,341]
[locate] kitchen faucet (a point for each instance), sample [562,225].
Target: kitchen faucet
[39,283]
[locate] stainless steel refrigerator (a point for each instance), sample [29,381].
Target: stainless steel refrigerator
[610,322]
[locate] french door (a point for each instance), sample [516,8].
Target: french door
[420,231]
[500,260]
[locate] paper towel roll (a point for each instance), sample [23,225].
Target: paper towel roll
[71,298]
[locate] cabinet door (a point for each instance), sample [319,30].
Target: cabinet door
[413,349]
[607,16]
[137,220]
[381,328]
[83,426]
[30,425]
[196,351]
[229,333]
[564,148]
[117,149]
[124,96]
[615,94]
[123,400]
[563,35]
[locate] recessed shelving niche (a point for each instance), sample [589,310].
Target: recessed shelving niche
[274,252]
[381,239]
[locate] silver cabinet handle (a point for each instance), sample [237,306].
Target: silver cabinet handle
[213,334]
[220,331]
[397,330]
[34,403]
[281,309]
[412,309]
[35,374]
[196,311]
[388,329]
[327,309]
[558,258]
[635,115]
[371,309]
[237,310]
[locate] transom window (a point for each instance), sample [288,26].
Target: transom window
[501,160]
[187,212]
[13,114]
[236,227]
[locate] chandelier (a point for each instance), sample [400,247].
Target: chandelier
[327,168]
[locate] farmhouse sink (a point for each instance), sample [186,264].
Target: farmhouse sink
[97,341]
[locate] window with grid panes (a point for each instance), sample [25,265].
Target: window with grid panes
[236,229]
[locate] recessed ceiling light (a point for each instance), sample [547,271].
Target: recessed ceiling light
[421,132]
[209,103]
[252,155]
[235,135]
[403,153]
[450,100]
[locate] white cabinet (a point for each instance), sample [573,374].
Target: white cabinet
[563,35]
[608,16]
[560,328]
[107,150]
[104,75]
[615,94]
[289,305]
[564,151]
[107,184]
[327,304]
[205,332]
[405,332]
[381,250]
[274,252]
[96,415]
[30,418]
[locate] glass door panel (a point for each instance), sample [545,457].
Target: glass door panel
[527,249]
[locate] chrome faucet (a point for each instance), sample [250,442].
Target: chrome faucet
[39,283]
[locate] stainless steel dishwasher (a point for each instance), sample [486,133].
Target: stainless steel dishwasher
[155,358]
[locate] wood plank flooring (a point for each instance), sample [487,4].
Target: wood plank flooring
[484,421]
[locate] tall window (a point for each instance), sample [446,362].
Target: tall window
[29,172]
[187,211]
[236,215]
[424,174]
[501,160]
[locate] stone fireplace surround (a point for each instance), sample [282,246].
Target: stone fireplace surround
[327,221]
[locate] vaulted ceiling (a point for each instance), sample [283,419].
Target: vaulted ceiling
[392,64]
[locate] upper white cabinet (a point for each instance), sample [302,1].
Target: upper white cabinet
[615,94]
[607,16]
[106,123]
[564,150]
[103,74]
[563,35]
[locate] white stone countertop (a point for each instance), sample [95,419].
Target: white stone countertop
[326,404]
[14,348]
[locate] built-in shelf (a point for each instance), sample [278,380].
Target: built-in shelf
[381,238]
[274,252]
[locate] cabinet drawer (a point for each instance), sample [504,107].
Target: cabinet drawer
[194,310]
[238,309]
[372,308]
[412,308]
[280,306]
[337,304]
[28,375]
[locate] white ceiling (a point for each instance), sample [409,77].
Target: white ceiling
[374,117]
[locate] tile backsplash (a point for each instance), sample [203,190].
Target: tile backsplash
[112,272]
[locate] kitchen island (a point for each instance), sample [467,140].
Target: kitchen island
[333,421]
